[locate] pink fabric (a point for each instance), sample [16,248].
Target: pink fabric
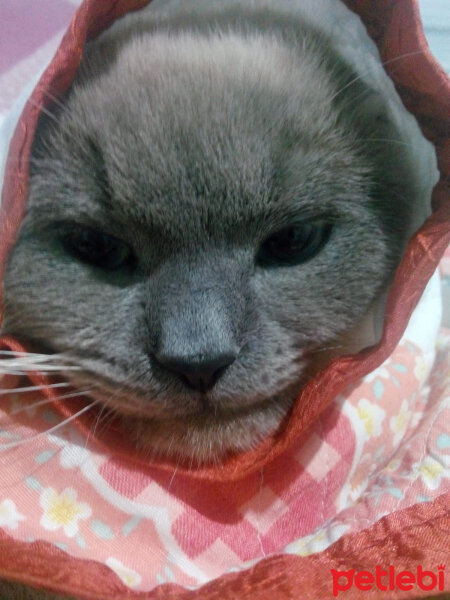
[24,26]
[377,449]
[29,35]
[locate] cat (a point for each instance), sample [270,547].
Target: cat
[216,208]
[218,201]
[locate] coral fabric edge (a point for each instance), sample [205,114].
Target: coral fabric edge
[417,531]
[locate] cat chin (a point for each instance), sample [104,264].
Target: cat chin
[207,437]
[198,431]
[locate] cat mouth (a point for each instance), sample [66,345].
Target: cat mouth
[198,428]
[171,399]
[202,406]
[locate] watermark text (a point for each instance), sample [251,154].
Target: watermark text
[388,579]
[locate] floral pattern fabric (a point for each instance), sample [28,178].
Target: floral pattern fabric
[382,446]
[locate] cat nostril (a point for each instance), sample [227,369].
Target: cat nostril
[201,373]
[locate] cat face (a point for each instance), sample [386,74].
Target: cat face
[202,221]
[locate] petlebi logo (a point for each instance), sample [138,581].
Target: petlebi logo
[388,579]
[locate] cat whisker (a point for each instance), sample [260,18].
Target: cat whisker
[326,348]
[96,423]
[17,443]
[105,414]
[43,109]
[173,475]
[102,420]
[33,388]
[32,356]
[11,367]
[54,99]
[24,353]
[49,401]
[367,72]
[21,362]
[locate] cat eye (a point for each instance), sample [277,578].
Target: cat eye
[294,245]
[96,248]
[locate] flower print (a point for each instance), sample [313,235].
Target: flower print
[415,419]
[360,478]
[9,515]
[421,369]
[430,471]
[393,465]
[127,575]
[319,540]
[73,456]
[442,341]
[399,422]
[371,416]
[63,510]
[379,373]
[74,452]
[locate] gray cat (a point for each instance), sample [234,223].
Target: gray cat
[219,203]
[220,200]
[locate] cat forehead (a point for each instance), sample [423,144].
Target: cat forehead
[216,126]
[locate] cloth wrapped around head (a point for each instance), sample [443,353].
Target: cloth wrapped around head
[358,477]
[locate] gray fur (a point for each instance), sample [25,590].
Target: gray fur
[193,137]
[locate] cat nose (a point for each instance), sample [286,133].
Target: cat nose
[199,372]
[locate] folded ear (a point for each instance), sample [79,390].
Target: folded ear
[392,135]
[401,188]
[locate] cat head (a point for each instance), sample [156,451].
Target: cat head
[206,216]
